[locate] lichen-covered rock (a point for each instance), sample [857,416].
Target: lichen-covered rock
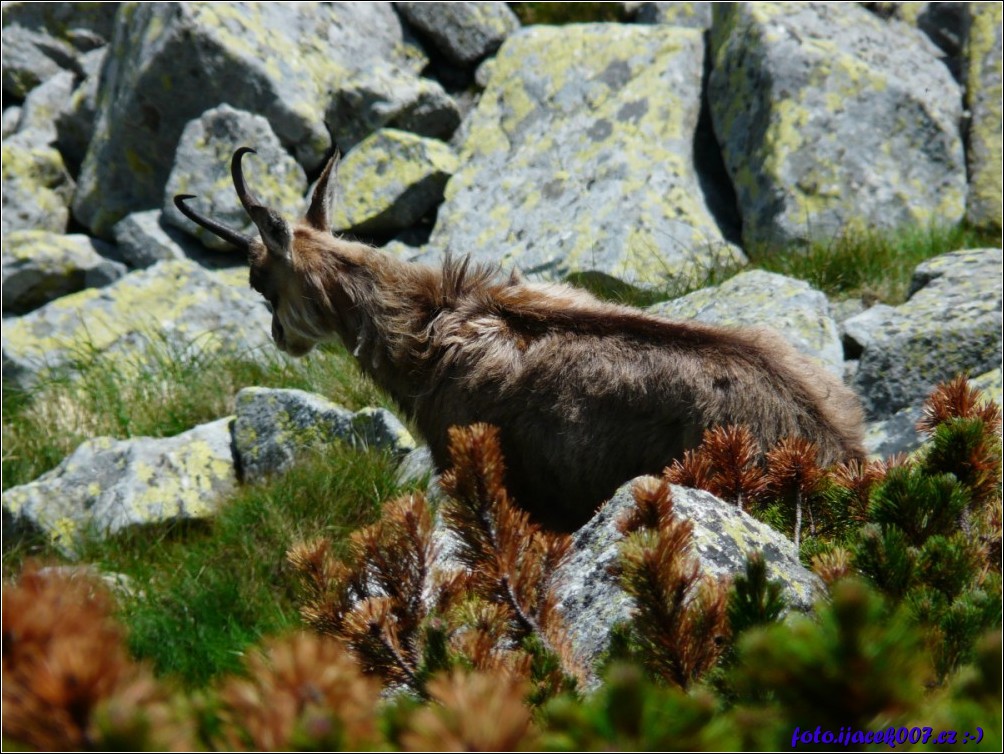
[388,96]
[178,303]
[794,308]
[390,181]
[107,485]
[984,76]
[830,117]
[39,266]
[29,58]
[143,239]
[202,167]
[695,15]
[591,600]
[274,428]
[579,158]
[170,62]
[950,324]
[465,32]
[37,189]
[84,25]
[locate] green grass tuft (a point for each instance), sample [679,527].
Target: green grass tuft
[204,591]
[569,13]
[873,266]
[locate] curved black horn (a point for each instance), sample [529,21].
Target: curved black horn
[248,199]
[239,240]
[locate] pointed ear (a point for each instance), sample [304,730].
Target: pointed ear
[276,233]
[319,214]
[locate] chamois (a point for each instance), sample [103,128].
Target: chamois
[586,394]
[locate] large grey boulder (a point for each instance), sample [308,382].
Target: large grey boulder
[592,601]
[984,75]
[37,188]
[176,305]
[579,158]
[896,434]
[39,266]
[202,167]
[466,32]
[390,181]
[107,485]
[170,62]
[274,428]
[799,312]
[950,324]
[388,96]
[830,117]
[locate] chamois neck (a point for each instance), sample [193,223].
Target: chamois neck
[390,322]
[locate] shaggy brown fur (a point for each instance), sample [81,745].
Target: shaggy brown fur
[586,394]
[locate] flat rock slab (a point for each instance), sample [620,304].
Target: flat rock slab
[176,303]
[39,266]
[950,324]
[592,602]
[107,485]
[799,312]
[579,158]
[275,427]
[829,116]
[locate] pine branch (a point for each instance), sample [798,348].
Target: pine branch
[680,618]
[510,559]
[726,464]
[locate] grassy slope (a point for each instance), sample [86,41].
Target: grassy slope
[202,591]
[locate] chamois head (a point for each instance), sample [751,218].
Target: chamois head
[300,268]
